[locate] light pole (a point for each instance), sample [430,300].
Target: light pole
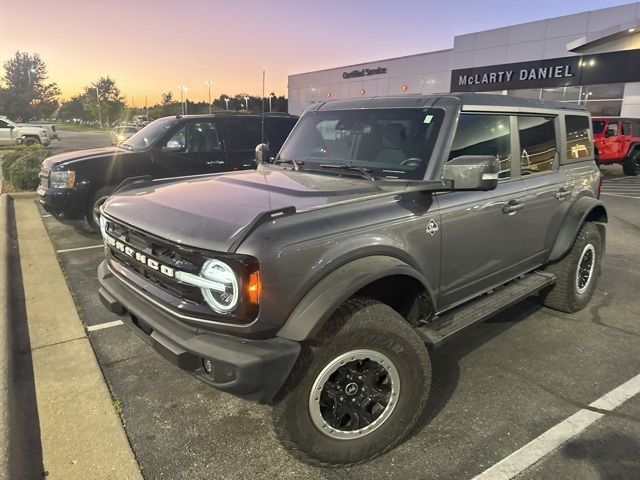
[271,95]
[226,101]
[29,72]
[183,91]
[99,107]
[246,103]
[209,82]
[146,107]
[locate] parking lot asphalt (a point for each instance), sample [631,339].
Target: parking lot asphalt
[496,387]
[70,141]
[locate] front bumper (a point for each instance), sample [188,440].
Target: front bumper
[250,369]
[64,204]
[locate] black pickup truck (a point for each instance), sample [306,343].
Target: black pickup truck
[72,183]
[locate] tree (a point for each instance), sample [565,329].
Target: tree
[73,109]
[167,98]
[26,93]
[103,100]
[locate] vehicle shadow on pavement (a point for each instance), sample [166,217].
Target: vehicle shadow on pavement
[445,370]
[614,455]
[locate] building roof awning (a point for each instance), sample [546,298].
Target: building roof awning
[596,39]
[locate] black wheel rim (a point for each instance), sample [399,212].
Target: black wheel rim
[354,394]
[585,268]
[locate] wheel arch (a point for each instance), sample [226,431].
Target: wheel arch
[585,209]
[367,276]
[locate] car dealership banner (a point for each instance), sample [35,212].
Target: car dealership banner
[614,67]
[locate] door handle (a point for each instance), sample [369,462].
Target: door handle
[512,207]
[562,193]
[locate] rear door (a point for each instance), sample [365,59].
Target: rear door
[482,232]
[242,135]
[277,130]
[546,187]
[626,137]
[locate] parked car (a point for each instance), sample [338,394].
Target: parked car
[121,134]
[383,228]
[617,140]
[17,133]
[71,183]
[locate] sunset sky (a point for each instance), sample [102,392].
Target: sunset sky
[157,45]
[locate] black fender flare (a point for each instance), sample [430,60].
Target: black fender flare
[583,209]
[334,289]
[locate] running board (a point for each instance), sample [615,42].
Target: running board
[435,333]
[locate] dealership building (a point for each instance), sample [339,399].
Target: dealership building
[592,58]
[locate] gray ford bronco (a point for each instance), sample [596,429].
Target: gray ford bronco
[383,227]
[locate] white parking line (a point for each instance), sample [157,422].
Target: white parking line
[619,195]
[553,438]
[102,326]
[79,248]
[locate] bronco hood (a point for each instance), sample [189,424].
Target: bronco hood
[70,157]
[210,211]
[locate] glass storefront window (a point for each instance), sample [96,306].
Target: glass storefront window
[605,108]
[528,93]
[609,91]
[561,94]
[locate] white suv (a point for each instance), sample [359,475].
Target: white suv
[14,133]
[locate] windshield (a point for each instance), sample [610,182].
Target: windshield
[390,143]
[598,126]
[149,134]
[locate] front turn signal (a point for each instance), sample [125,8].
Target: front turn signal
[254,288]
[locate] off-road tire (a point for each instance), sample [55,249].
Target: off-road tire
[631,166]
[564,295]
[97,199]
[358,324]
[31,141]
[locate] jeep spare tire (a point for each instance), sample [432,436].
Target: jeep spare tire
[359,392]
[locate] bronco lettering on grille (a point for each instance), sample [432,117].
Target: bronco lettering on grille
[140,257]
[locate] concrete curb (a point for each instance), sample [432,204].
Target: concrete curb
[5,357]
[80,433]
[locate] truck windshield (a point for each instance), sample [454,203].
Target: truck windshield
[388,143]
[149,134]
[598,126]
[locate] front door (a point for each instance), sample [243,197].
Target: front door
[194,148]
[482,232]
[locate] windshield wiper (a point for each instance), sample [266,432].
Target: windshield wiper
[296,163]
[343,166]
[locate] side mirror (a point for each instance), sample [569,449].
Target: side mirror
[262,153]
[472,172]
[11,127]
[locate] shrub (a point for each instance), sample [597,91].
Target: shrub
[21,166]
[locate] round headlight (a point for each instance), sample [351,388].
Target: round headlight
[223,292]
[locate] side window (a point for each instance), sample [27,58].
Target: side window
[612,130]
[3,124]
[635,128]
[538,145]
[484,135]
[626,128]
[243,134]
[194,138]
[579,144]
[202,137]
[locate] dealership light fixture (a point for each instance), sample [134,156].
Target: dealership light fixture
[631,30]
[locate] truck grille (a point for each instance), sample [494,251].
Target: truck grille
[44,178]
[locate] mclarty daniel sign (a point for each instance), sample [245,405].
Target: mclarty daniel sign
[364,72]
[613,67]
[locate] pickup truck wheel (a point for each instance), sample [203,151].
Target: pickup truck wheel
[93,209]
[631,166]
[359,392]
[577,272]
[31,141]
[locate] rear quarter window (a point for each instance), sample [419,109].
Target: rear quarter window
[579,140]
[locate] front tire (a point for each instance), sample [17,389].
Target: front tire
[577,272]
[93,208]
[359,392]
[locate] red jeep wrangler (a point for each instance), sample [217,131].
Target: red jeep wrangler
[617,140]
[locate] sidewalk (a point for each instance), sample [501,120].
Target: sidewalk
[81,433]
